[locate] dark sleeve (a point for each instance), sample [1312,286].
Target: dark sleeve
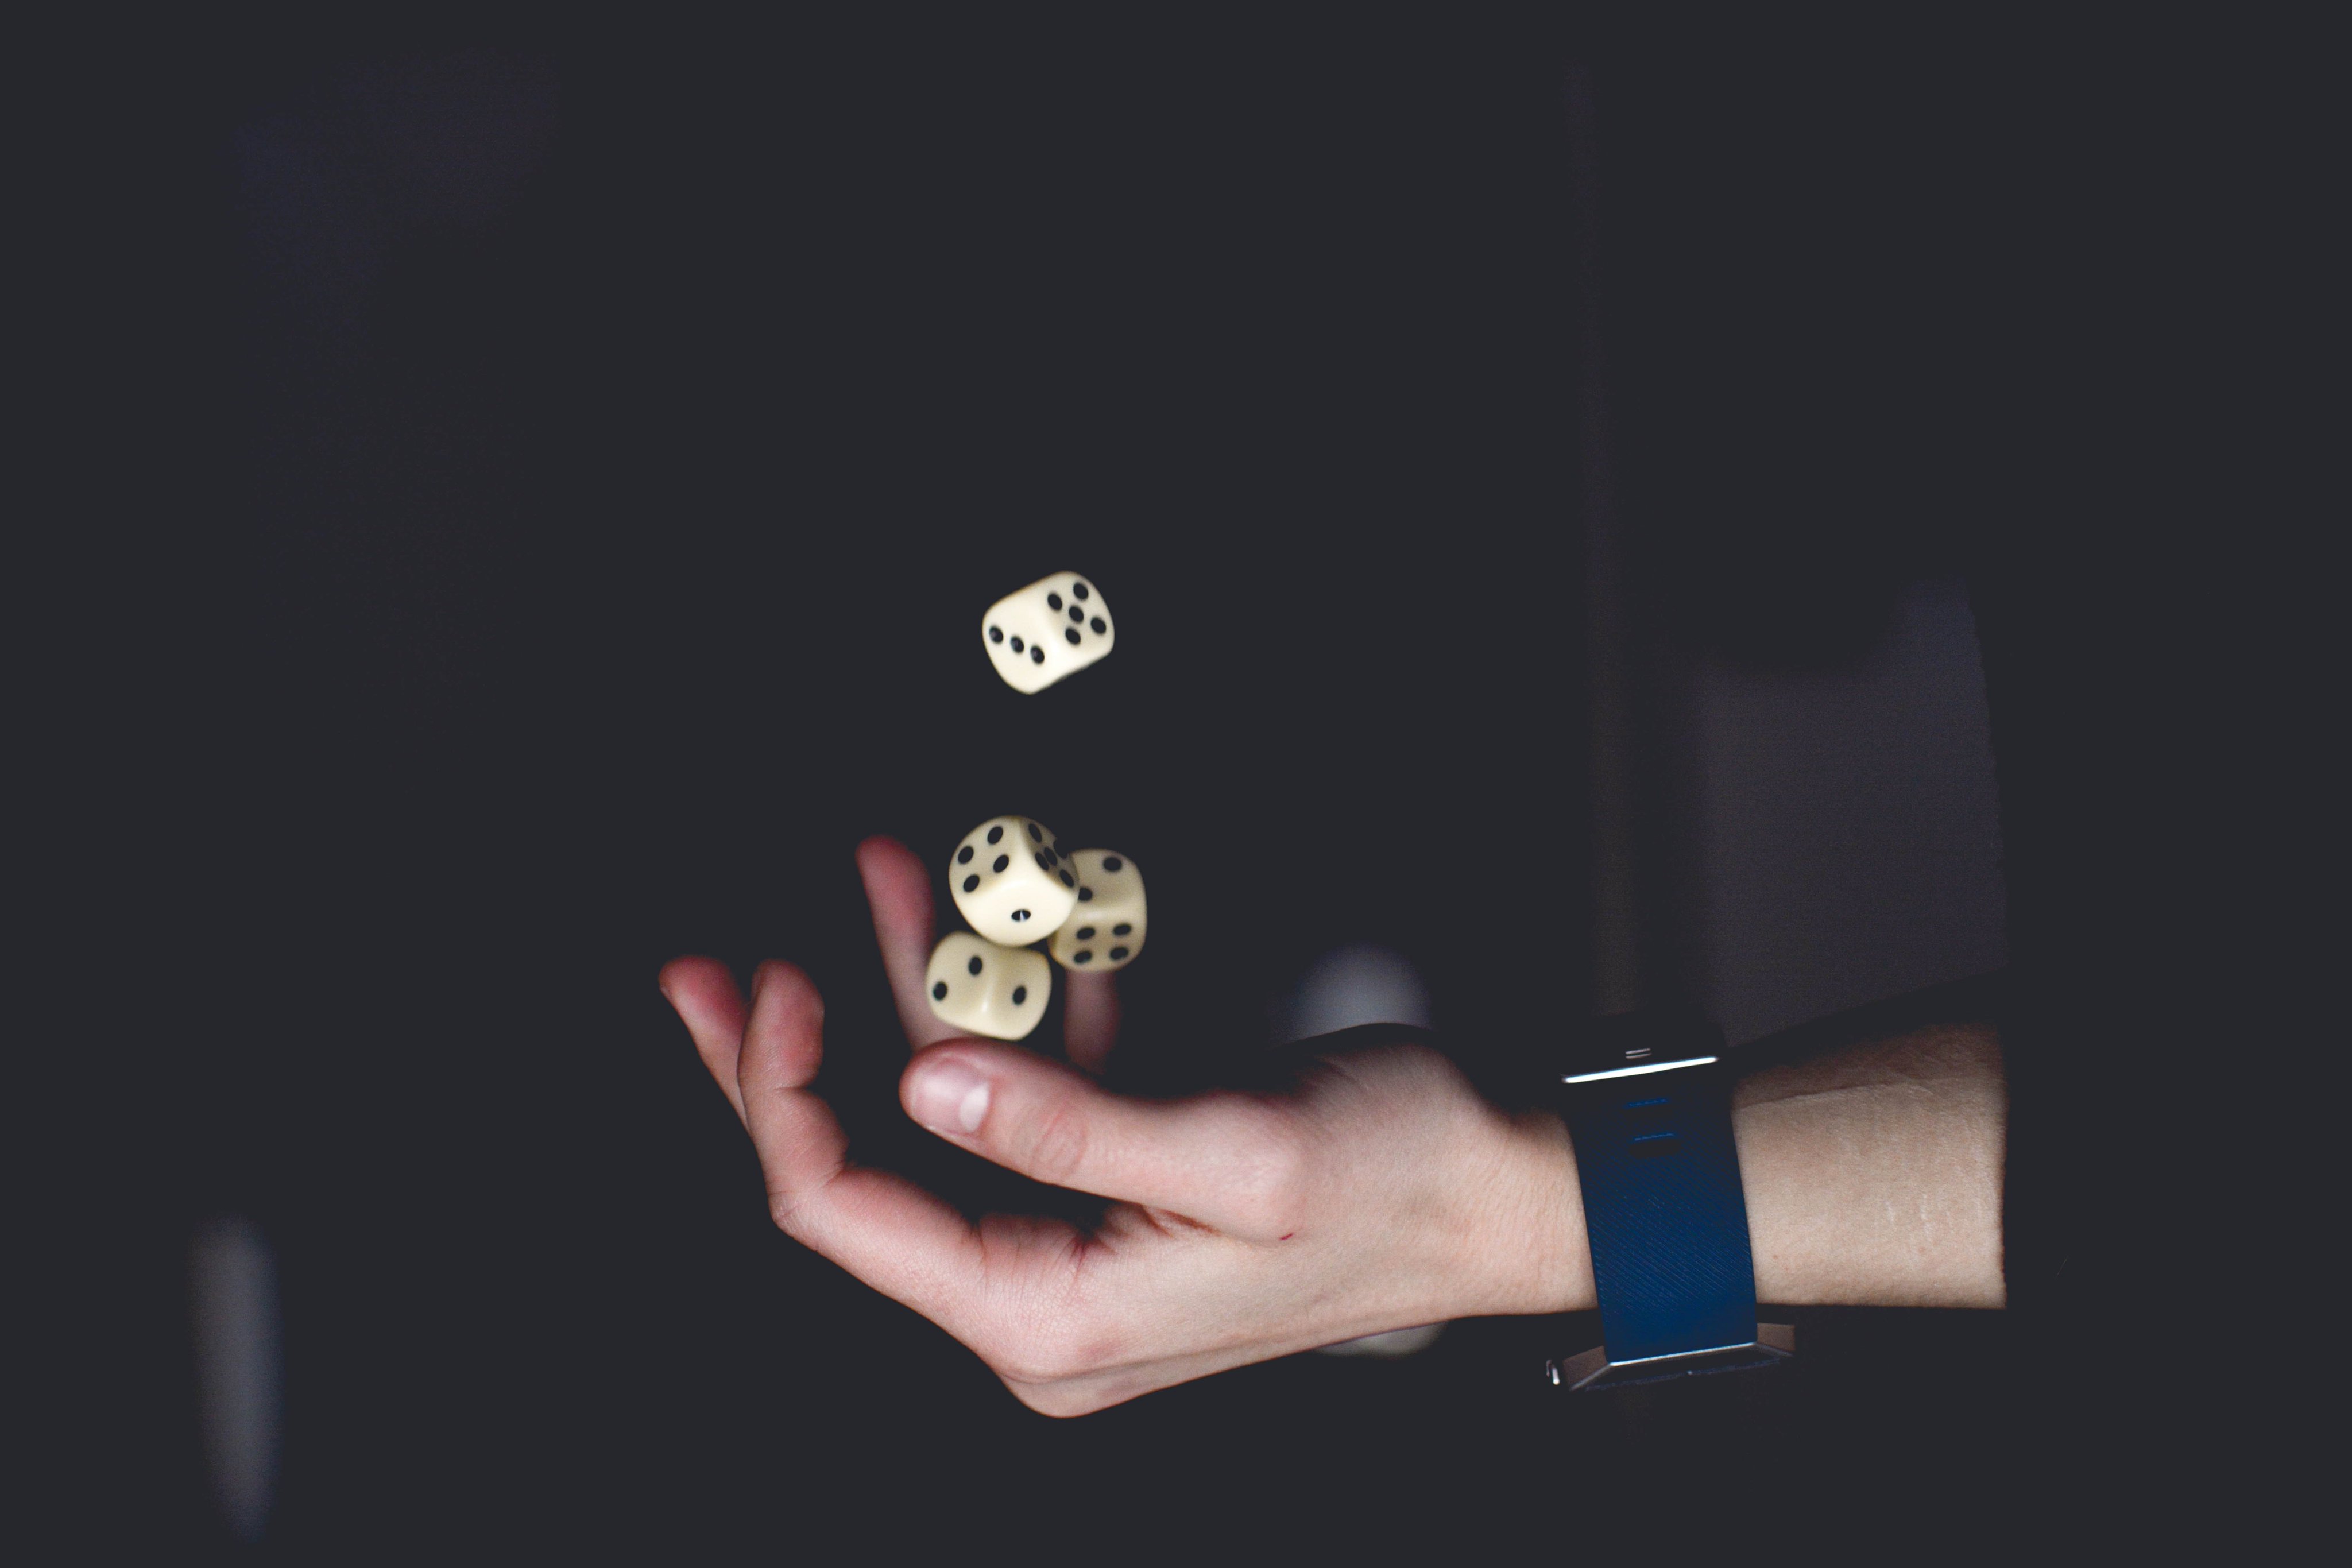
[2117,964]
[2046,1039]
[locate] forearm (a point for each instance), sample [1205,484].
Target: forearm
[1872,1175]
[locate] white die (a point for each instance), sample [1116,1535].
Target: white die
[1055,627]
[1009,881]
[1106,930]
[982,988]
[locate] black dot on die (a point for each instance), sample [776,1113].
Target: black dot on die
[996,633]
[1053,601]
[1068,880]
[1037,655]
[1079,588]
[1016,644]
[1112,862]
[972,881]
[973,967]
[940,992]
[1020,995]
[1019,915]
[963,855]
[1122,929]
[1043,864]
[1000,862]
[1082,957]
[1085,933]
[1116,953]
[1073,635]
[1077,615]
[1052,857]
[996,832]
[1085,895]
[1036,834]
[1097,624]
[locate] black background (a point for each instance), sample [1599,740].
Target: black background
[550,480]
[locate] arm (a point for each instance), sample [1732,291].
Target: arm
[1874,1171]
[1377,1191]
[1873,1175]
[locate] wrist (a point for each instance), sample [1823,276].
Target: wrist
[1533,1256]
[1872,1176]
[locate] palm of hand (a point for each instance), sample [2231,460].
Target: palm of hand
[1366,1197]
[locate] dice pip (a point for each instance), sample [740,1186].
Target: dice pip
[1105,930]
[1009,881]
[982,988]
[1055,627]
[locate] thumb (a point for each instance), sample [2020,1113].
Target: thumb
[1233,1162]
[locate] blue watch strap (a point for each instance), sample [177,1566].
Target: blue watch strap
[1664,1210]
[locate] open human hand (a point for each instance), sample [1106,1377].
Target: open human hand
[1379,1191]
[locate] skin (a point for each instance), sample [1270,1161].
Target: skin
[1379,1191]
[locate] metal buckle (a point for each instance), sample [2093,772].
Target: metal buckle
[1775,1344]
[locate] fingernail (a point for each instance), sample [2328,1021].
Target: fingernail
[951,1098]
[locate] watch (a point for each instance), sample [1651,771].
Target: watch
[1647,1100]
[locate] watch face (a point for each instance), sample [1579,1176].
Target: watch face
[1648,1041]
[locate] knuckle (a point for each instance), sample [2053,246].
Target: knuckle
[1032,1365]
[1266,1172]
[782,1209]
[1010,1356]
[1061,1402]
[1044,1361]
[1271,1184]
[1041,1353]
[794,1208]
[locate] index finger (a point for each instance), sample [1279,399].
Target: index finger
[902,1239]
[713,1010]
